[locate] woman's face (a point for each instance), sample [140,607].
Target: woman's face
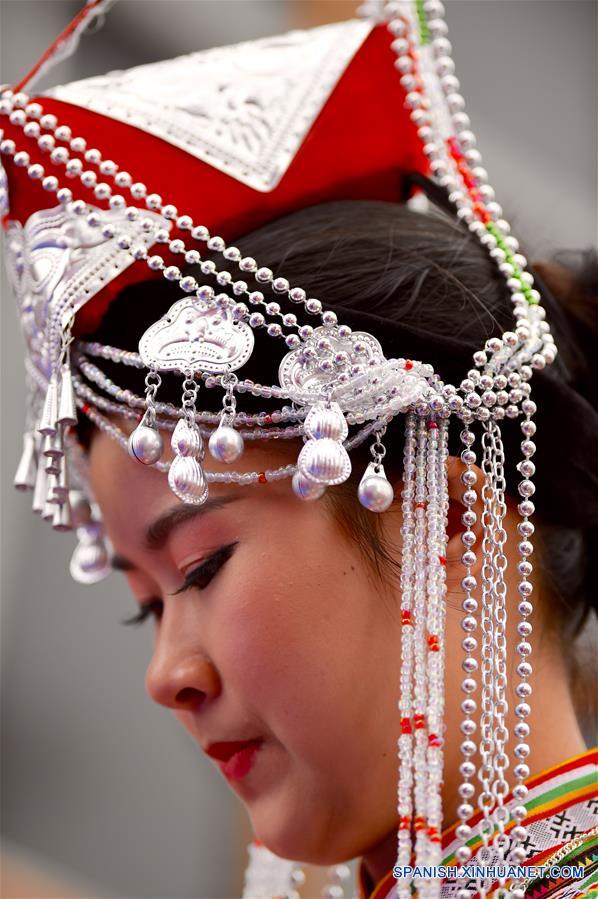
[284,636]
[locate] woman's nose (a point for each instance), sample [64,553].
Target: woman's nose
[181,679]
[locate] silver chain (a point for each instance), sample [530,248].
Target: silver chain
[152,383]
[487,748]
[190,388]
[500,787]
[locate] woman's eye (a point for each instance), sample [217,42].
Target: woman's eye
[154,607]
[198,578]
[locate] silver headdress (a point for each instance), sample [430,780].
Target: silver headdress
[80,226]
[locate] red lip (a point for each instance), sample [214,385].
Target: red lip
[224,751]
[235,759]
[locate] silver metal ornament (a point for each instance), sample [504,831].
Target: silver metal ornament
[40,490]
[47,424]
[80,508]
[52,447]
[62,520]
[226,444]
[194,336]
[186,440]
[58,488]
[187,480]
[27,467]
[48,511]
[67,409]
[326,421]
[306,489]
[324,461]
[145,443]
[375,491]
[90,562]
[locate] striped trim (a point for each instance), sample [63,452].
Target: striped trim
[562,786]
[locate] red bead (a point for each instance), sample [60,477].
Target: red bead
[419,822]
[420,505]
[408,364]
[86,408]
[268,419]
[442,560]
[262,478]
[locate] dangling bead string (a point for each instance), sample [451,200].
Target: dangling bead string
[521,749]
[186,477]
[145,442]
[226,444]
[436,515]
[486,772]
[500,787]
[469,644]
[405,741]
[420,693]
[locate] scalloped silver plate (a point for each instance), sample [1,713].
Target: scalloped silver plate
[193,336]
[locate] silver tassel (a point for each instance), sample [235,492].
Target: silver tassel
[51,487]
[27,468]
[60,487]
[40,491]
[67,410]
[48,511]
[53,451]
[47,424]
[62,520]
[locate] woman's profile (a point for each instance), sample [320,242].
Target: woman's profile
[299,383]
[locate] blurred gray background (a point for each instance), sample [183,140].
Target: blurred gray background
[97,782]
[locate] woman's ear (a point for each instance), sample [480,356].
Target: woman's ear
[455,570]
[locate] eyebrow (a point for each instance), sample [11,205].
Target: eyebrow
[159,531]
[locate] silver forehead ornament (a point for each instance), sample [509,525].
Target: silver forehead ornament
[194,336]
[335,371]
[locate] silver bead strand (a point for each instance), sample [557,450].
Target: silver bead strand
[405,705]
[469,644]
[500,787]
[420,693]
[436,512]
[486,746]
[521,749]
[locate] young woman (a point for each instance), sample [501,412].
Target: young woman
[287,632]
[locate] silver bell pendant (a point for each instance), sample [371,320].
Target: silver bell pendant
[375,490]
[145,442]
[225,444]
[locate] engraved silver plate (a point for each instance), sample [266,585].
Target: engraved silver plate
[195,337]
[244,110]
[307,378]
[372,376]
[57,263]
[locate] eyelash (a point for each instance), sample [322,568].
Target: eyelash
[197,578]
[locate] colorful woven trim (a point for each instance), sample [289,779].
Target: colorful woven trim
[562,802]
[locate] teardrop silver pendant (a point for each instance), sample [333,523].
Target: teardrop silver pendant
[145,443]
